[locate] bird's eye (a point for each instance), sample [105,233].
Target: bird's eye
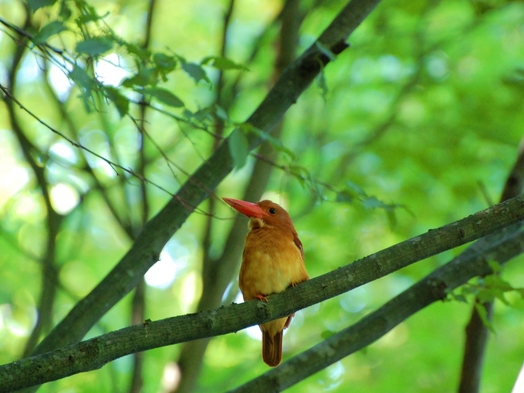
[272,211]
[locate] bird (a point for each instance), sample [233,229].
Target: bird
[272,260]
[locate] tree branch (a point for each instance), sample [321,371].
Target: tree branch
[435,286]
[477,333]
[145,250]
[94,353]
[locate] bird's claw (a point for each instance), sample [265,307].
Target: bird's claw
[261,297]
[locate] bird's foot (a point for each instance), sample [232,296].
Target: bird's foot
[261,297]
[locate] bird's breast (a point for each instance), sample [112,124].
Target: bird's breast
[271,262]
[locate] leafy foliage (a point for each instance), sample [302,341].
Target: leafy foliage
[393,140]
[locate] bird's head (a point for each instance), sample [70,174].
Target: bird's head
[262,213]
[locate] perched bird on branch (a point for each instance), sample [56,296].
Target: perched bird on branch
[273,260]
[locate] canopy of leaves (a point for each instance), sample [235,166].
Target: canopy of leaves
[106,113]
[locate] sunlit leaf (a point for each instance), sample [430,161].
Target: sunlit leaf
[37,4]
[223,63]
[164,96]
[195,71]
[121,102]
[94,46]
[89,14]
[82,78]
[164,62]
[145,77]
[65,12]
[47,31]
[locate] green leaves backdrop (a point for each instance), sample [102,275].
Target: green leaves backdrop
[110,106]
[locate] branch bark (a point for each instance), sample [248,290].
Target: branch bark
[94,353]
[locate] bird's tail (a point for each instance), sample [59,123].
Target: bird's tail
[272,348]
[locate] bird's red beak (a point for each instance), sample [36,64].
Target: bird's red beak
[249,209]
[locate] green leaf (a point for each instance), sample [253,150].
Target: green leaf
[203,114]
[164,62]
[195,71]
[65,12]
[223,63]
[326,334]
[460,298]
[37,4]
[144,77]
[164,96]
[121,102]
[495,281]
[469,289]
[238,147]
[221,113]
[47,31]
[344,196]
[372,203]
[137,50]
[481,310]
[486,295]
[495,266]
[89,14]
[94,46]
[82,78]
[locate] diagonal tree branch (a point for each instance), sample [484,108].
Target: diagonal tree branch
[144,252]
[434,287]
[499,220]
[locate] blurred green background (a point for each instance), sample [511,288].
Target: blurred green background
[414,126]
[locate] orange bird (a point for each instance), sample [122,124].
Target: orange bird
[273,260]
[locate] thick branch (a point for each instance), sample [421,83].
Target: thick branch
[432,288]
[94,353]
[144,252]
